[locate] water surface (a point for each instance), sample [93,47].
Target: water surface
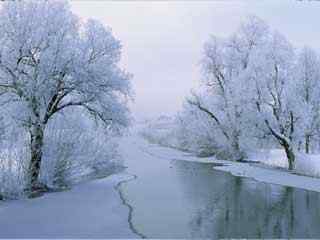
[180,199]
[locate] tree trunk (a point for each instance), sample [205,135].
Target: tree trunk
[36,144]
[290,155]
[236,152]
[307,143]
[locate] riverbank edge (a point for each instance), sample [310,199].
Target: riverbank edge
[124,201]
[267,174]
[256,171]
[112,180]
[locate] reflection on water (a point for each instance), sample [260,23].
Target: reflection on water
[191,200]
[228,206]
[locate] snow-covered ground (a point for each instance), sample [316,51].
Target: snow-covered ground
[271,169]
[271,175]
[90,210]
[306,164]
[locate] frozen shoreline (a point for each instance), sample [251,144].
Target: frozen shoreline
[272,176]
[89,210]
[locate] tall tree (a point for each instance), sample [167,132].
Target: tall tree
[50,61]
[224,63]
[271,74]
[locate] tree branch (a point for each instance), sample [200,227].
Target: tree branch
[200,107]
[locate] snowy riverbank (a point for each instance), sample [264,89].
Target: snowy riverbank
[267,171]
[272,169]
[89,210]
[271,175]
[271,166]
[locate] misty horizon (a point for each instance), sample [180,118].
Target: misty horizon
[163,40]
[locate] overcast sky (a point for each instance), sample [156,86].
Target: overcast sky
[162,41]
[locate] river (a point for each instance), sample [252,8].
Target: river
[172,198]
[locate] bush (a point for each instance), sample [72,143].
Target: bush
[13,171]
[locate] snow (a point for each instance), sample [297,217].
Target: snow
[308,164]
[305,164]
[272,169]
[274,157]
[273,176]
[90,210]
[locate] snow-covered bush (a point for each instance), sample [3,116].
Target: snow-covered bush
[76,149]
[14,156]
[12,173]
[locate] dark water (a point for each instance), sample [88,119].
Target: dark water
[179,199]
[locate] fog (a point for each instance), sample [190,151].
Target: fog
[162,41]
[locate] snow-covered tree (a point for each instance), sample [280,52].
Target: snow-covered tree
[224,64]
[257,90]
[271,77]
[50,62]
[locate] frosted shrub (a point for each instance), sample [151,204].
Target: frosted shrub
[75,150]
[13,172]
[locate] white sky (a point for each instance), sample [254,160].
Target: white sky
[162,41]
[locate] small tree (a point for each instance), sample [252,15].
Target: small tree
[50,62]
